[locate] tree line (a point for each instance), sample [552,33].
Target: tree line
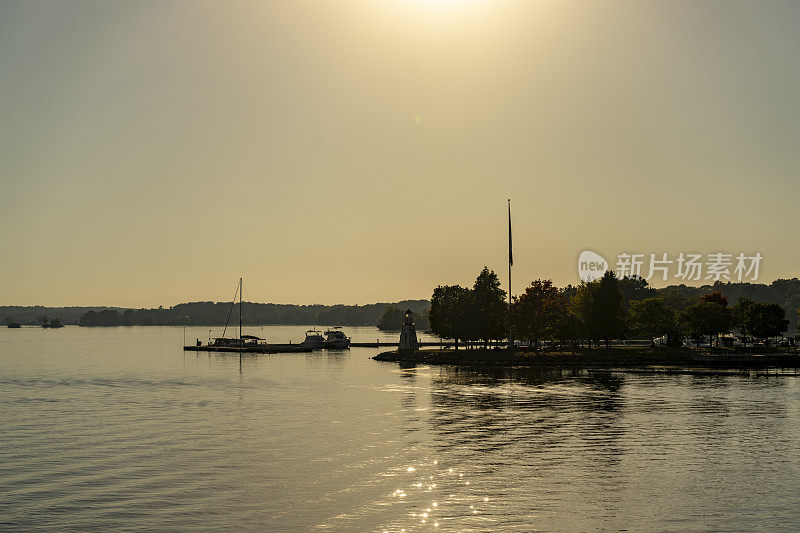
[218,313]
[599,311]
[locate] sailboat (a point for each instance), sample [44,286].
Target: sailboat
[244,343]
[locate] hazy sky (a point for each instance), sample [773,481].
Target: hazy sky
[353,151]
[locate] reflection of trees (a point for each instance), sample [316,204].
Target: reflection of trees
[530,421]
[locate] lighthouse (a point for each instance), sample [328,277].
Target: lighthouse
[408,334]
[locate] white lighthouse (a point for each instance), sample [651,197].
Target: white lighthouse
[408,334]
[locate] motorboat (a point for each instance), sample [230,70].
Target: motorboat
[336,339]
[314,339]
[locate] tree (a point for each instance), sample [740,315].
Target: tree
[489,307]
[769,321]
[634,289]
[742,317]
[761,320]
[392,318]
[581,307]
[707,318]
[449,307]
[599,306]
[608,308]
[569,329]
[715,297]
[539,312]
[652,317]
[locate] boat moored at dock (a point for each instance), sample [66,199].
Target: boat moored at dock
[335,339]
[314,340]
[250,347]
[245,343]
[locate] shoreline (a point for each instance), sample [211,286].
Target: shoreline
[595,359]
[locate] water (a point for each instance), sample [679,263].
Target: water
[117,428]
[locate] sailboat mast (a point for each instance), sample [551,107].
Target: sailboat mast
[510,264]
[240,312]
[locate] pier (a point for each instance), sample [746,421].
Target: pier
[251,348]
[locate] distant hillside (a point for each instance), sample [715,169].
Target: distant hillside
[217,313]
[34,315]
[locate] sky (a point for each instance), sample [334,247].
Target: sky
[152,153]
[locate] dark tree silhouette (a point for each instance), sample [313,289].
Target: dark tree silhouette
[651,317]
[450,305]
[599,306]
[489,307]
[707,317]
[539,312]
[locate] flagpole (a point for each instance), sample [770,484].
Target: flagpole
[510,262]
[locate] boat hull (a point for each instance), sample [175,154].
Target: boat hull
[337,345]
[262,348]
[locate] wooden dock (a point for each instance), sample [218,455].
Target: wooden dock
[262,348]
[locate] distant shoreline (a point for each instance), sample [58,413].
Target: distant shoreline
[212,314]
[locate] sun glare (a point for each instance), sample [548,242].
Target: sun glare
[444,5]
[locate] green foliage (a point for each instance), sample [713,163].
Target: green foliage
[784,292]
[760,320]
[479,313]
[539,312]
[742,316]
[634,289]
[489,307]
[707,317]
[651,317]
[450,311]
[770,321]
[599,307]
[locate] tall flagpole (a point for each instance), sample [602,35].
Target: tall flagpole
[510,264]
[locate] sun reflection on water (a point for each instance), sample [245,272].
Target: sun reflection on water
[457,497]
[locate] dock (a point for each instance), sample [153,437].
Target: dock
[261,348]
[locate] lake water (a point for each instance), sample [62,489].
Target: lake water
[119,429]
